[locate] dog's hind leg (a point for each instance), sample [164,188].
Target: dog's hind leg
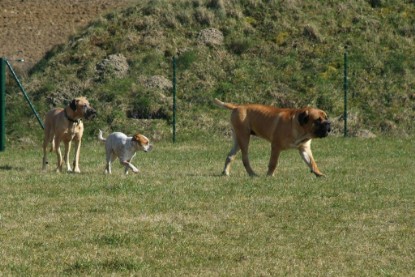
[231,156]
[111,157]
[273,160]
[243,144]
[52,144]
[45,154]
[243,136]
[58,155]
[49,138]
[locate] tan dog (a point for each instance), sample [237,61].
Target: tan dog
[66,125]
[283,128]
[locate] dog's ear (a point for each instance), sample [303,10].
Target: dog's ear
[136,138]
[303,117]
[73,105]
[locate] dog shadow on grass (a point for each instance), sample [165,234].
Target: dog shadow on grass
[9,167]
[216,175]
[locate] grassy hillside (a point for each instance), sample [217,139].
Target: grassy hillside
[284,53]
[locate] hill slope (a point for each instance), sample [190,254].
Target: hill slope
[286,53]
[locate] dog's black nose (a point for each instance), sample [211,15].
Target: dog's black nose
[323,130]
[327,125]
[91,113]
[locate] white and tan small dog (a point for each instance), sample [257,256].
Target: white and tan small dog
[119,145]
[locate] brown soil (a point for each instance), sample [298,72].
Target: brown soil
[30,28]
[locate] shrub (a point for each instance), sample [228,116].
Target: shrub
[204,17]
[239,45]
[185,60]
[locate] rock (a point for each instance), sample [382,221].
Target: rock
[210,37]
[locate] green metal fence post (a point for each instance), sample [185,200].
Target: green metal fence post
[174,99]
[345,92]
[2,104]
[25,94]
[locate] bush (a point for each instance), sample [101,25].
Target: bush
[184,61]
[146,106]
[239,45]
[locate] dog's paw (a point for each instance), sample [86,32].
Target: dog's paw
[224,173]
[318,174]
[253,174]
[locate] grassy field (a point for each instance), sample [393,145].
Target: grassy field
[179,217]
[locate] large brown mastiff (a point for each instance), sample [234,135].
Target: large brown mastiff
[65,125]
[283,128]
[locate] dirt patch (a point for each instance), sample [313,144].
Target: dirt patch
[30,28]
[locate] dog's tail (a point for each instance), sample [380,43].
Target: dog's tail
[100,137]
[228,106]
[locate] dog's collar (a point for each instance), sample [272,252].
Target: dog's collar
[70,119]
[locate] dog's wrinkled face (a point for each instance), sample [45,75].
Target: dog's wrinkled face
[143,142]
[82,108]
[315,122]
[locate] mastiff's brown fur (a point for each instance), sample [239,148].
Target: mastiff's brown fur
[65,125]
[283,128]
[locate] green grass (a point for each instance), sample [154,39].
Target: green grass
[179,217]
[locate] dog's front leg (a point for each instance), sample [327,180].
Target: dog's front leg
[66,156]
[77,154]
[128,166]
[307,155]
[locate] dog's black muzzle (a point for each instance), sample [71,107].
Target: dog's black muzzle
[90,114]
[323,129]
